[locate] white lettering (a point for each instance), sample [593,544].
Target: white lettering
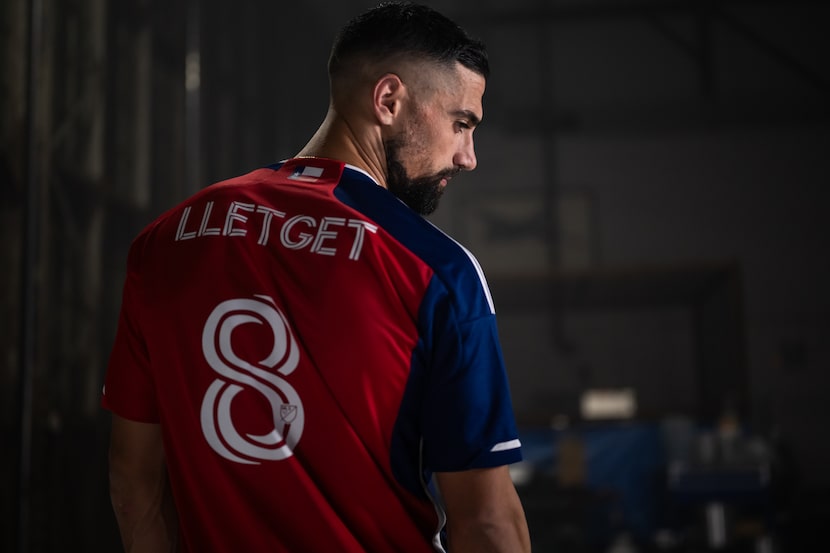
[233,215]
[266,222]
[319,236]
[324,234]
[304,237]
[180,233]
[203,228]
[235,372]
[360,227]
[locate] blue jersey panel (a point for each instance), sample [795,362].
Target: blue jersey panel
[456,413]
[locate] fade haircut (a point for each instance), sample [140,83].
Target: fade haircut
[409,30]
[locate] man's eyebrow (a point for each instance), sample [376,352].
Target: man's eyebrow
[468,115]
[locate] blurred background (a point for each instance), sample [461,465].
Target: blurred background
[650,208]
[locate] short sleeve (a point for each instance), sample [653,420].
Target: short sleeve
[128,385]
[467,417]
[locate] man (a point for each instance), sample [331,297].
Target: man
[303,363]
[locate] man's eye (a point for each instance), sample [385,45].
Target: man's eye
[462,125]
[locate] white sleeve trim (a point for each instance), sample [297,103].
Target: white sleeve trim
[504,446]
[477,266]
[480,272]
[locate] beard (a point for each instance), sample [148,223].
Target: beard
[421,194]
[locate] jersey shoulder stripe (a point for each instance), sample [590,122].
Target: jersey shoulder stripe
[452,263]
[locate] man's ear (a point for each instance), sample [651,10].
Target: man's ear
[387,97]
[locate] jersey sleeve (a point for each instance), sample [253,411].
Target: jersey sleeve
[467,416]
[128,385]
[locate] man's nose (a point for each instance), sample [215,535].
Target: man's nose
[465,157]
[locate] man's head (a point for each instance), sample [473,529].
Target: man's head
[403,29]
[425,78]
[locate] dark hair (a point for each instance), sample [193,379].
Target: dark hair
[394,28]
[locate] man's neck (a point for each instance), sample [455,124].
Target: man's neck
[352,144]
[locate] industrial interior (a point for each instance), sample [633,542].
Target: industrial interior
[649,207]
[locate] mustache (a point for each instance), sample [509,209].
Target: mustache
[448,173]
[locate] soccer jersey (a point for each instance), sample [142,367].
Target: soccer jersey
[313,350]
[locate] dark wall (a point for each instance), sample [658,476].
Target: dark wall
[649,205]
